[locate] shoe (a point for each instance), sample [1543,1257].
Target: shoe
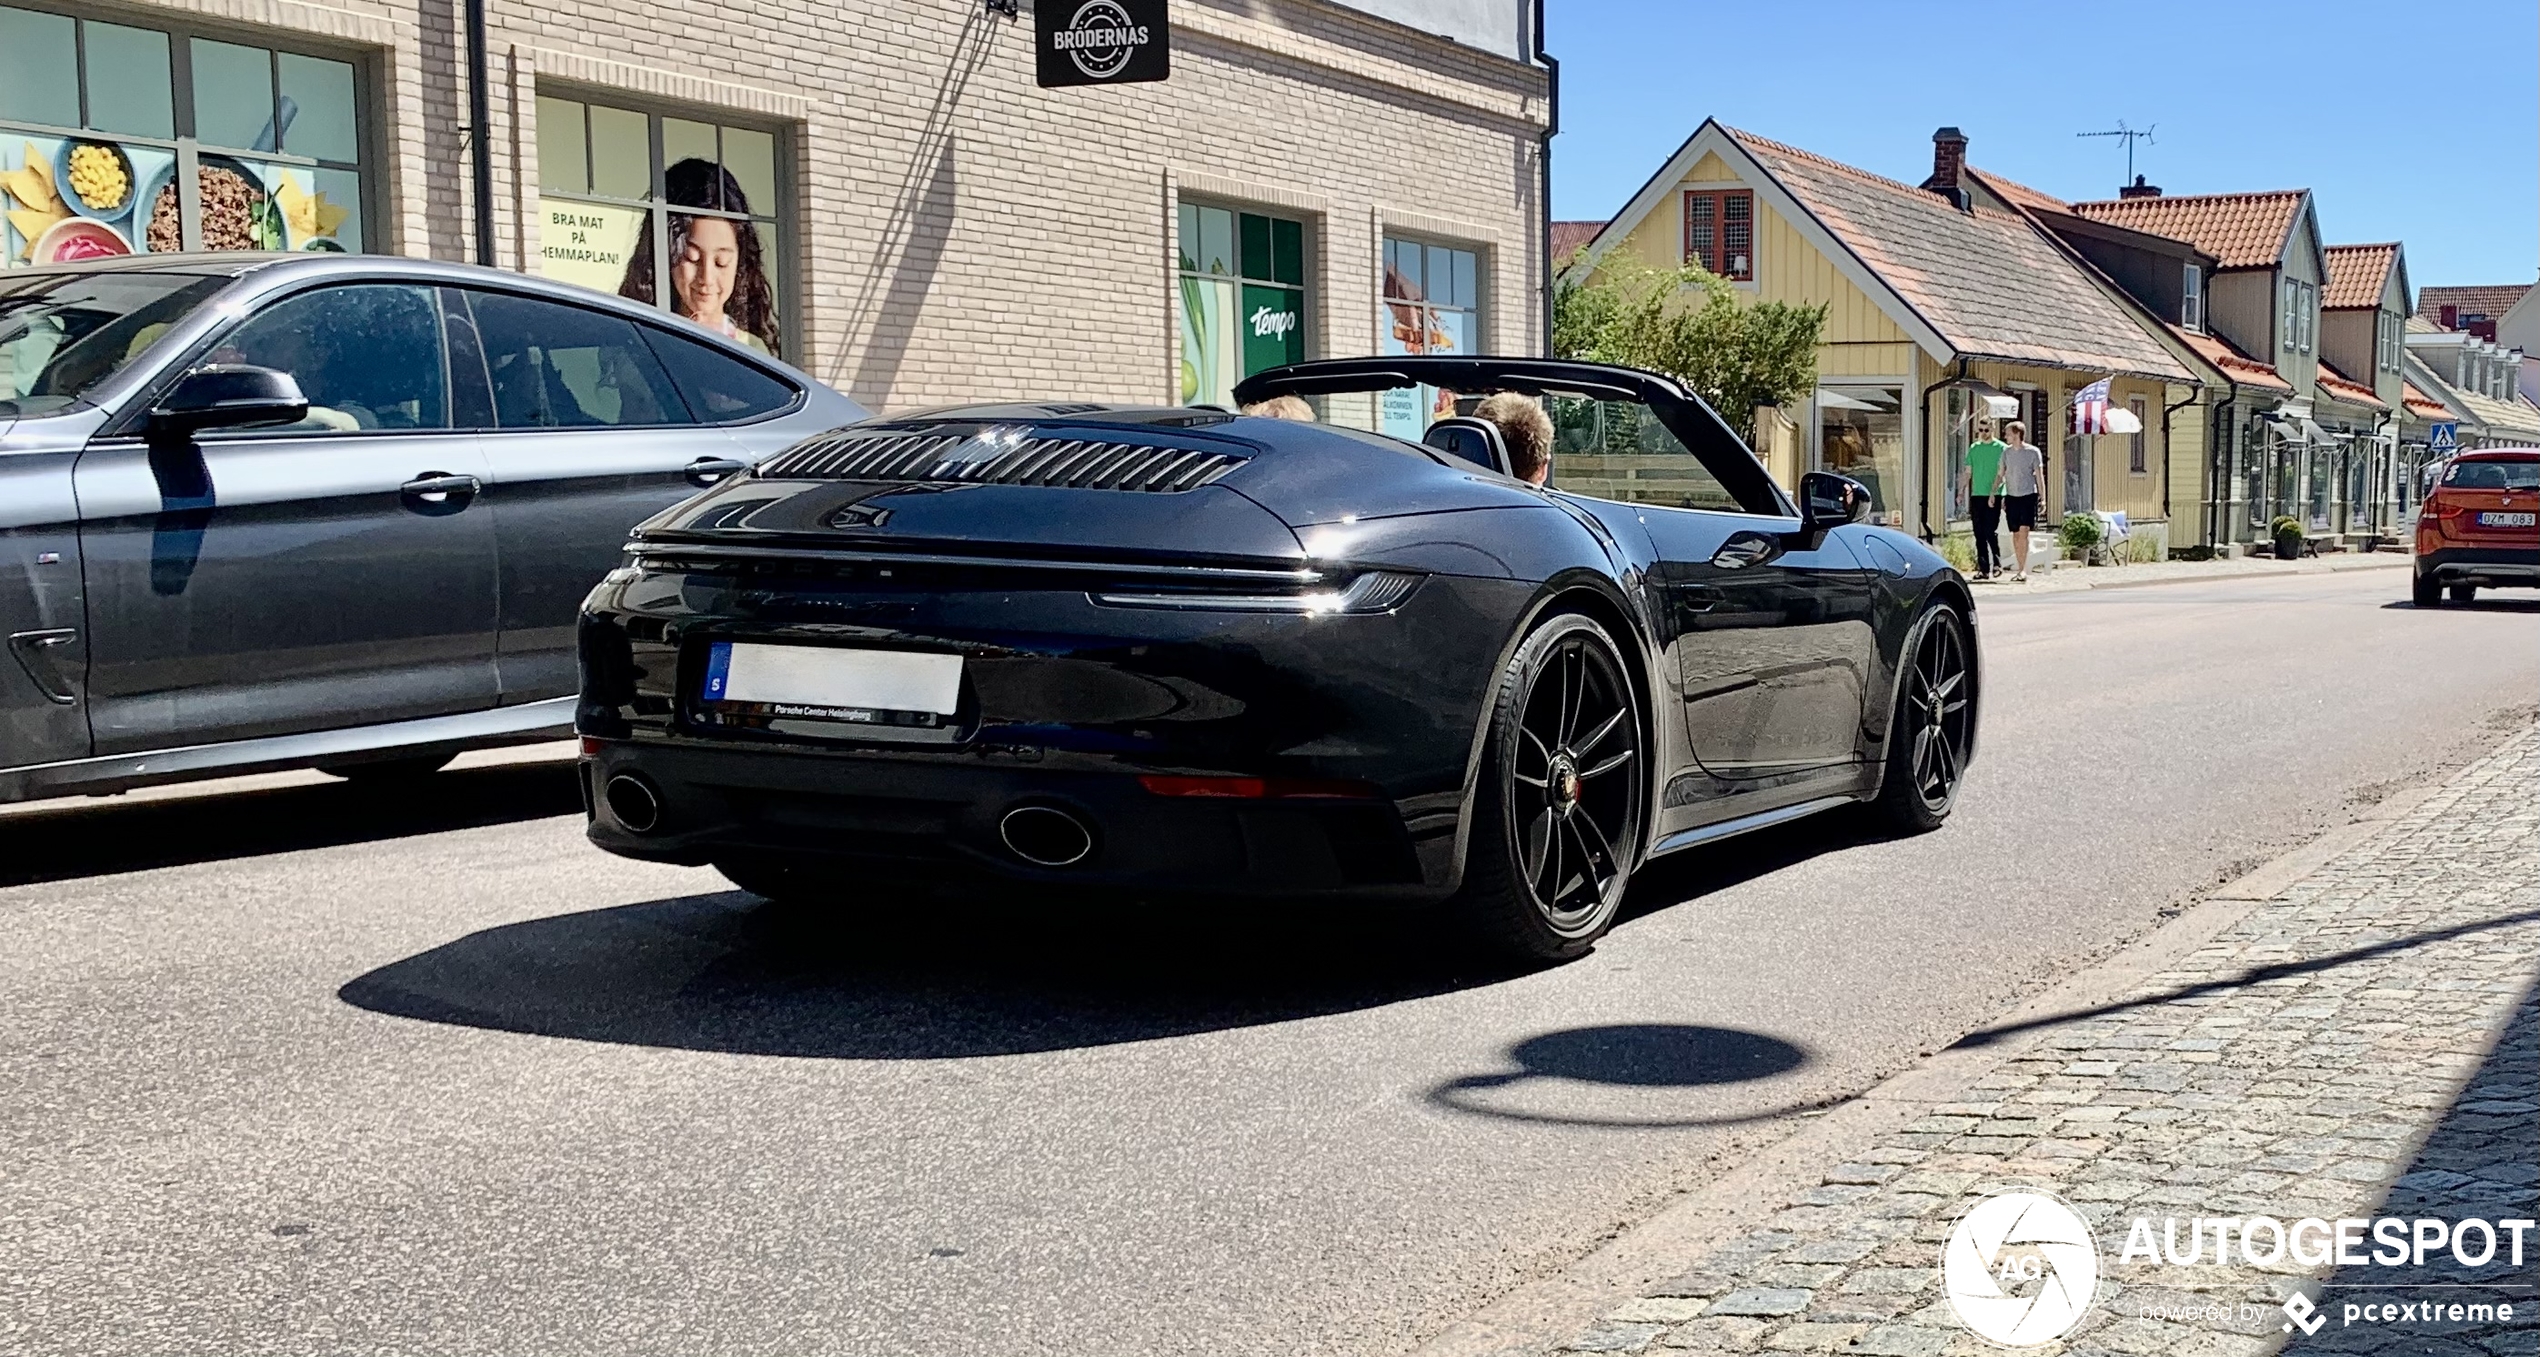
[2020,578]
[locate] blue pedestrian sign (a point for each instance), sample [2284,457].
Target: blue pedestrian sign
[2444,438]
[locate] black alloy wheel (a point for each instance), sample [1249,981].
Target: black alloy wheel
[1934,727]
[1558,811]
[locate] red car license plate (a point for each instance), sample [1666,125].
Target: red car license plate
[2493,519]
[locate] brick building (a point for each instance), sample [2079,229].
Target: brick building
[1317,177]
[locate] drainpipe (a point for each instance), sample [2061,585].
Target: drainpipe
[1922,410]
[1543,154]
[2193,396]
[480,138]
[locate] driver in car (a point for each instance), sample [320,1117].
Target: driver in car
[1525,430]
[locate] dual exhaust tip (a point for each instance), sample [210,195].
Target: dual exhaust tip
[1042,835]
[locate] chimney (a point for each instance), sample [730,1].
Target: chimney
[2451,317]
[2139,189]
[1948,164]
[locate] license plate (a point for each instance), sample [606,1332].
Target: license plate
[2494,519]
[834,683]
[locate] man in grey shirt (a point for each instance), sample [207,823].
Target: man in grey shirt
[2023,475]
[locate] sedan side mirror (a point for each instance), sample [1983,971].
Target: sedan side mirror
[228,396]
[1828,501]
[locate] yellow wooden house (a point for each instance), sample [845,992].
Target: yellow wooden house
[1941,303]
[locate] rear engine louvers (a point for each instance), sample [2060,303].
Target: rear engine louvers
[1000,457]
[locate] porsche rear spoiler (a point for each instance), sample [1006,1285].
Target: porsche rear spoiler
[1684,414]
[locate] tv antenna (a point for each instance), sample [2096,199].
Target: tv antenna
[2130,136]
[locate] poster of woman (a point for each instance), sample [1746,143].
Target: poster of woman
[718,268]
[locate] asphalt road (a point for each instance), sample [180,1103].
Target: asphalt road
[310,1069]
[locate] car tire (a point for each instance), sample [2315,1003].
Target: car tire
[779,880]
[2427,592]
[1557,807]
[2464,593]
[382,772]
[1932,728]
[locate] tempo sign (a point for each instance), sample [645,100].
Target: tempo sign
[1102,42]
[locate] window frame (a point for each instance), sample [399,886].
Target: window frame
[182,30]
[1309,243]
[2139,443]
[784,249]
[2191,304]
[1717,260]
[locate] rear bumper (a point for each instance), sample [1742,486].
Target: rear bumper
[940,821]
[2493,566]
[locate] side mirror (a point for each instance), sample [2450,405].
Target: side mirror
[227,396]
[1828,501]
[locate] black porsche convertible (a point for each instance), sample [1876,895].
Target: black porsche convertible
[1186,651]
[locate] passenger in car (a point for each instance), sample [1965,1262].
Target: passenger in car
[1525,430]
[1282,407]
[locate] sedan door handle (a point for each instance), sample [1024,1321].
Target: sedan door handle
[708,470]
[440,492]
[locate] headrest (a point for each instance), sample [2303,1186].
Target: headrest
[1474,440]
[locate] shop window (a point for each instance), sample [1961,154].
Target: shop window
[1720,232]
[93,134]
[622,188]
[1432,305]
[1242,278]
[1861,434]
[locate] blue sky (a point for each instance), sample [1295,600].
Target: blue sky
[2440,149]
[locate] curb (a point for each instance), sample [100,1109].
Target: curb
[2298,568]
[1541,1314]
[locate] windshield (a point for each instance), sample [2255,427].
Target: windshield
[62,333]
[2516,475]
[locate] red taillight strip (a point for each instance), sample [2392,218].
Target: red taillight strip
[1261,788]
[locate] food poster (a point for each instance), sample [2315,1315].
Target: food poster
[1211,350]
[75,198]
[1407,327]
[589,243]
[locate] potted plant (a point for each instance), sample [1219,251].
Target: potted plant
[2081,536]
[2287,531]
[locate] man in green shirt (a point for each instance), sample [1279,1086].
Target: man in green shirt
[1984,500]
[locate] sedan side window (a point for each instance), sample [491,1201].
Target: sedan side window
[720,388]
[367,355]
[562,367]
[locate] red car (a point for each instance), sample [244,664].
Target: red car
[2480,526]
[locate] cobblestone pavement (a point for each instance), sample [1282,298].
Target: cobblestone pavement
[2360,1044]
[2068,576]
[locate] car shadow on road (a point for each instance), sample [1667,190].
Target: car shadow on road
[70,839]
[915,979]
[2476,605]
[952,974]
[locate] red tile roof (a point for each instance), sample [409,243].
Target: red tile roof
[2338,386]
[2239,367]
[2489,300]
[2356,276]
[2243,230]
[1568,236]
[1989,282]
[2420,404]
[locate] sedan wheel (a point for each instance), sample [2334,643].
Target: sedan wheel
[1934,727]
[1557,820]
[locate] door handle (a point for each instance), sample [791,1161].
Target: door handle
[440,491]
[34,652]
[1745,549]
[708,470]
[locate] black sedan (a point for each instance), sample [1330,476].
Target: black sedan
[1180,650]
